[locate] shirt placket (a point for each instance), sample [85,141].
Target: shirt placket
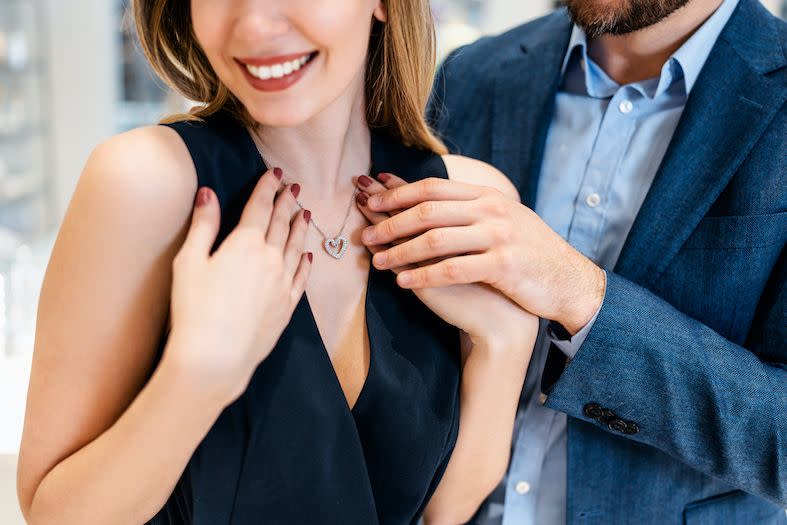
[591,205]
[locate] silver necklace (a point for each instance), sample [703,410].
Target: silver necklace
[337,245]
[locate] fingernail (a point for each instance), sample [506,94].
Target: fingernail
[307,215]
[310,256]
[383,177]
[364,181]
[277,172]
[362,198]
[404,279]
[368,234]
[203,196]
[295,189]
[379,259]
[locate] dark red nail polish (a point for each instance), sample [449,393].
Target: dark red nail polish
[307,215]
[296,190]
[310,256]
[364,181]
[203,196]
[362,198]
[383,177]
[277,172]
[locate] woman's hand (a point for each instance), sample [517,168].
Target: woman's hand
[228,309]
[485,314]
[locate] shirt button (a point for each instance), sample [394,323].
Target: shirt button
[542,398]
[523,487]
[593,200]
[625,106]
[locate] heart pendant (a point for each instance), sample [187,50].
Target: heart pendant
[336,247]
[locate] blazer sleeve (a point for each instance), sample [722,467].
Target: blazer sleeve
[655,375]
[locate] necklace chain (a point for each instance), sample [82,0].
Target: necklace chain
[313,222]
[336,246]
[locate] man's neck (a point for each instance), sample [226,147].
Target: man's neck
[640,55]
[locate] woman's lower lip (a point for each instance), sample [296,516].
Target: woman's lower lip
[275,84]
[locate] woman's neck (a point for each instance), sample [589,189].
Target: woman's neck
[325,153]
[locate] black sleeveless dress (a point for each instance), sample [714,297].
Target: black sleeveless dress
[290,450]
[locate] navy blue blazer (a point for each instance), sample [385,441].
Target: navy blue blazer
[690,341]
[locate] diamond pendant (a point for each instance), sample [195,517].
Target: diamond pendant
[337,247]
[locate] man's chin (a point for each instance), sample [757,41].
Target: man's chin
[619,17]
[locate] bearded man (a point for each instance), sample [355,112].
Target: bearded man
[648,141]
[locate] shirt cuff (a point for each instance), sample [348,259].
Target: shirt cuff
[567,343]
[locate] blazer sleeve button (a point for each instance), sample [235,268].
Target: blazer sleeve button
[618,425]
[631,428]
[592,410]
[607,415]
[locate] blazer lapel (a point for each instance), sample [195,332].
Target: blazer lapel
[728,109]
[524,102]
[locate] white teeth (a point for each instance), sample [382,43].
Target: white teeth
[277,70]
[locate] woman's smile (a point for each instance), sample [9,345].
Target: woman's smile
[276,73]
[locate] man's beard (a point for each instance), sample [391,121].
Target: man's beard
[622,16]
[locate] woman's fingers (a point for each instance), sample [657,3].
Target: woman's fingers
[279,227]
[374,217]
[390,181]
[384,182]
[205,221]
[431,245]
[295,242]
[301,277]
[257,212]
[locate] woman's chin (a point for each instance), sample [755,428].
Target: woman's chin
[277,118]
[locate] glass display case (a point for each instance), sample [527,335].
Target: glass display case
[24,192]
[23,139]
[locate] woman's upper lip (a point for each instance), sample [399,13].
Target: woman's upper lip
[271,60]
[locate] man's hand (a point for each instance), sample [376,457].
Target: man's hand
[479,235]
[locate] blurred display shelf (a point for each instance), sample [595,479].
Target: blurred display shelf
[23,133]
[17,187]
[24,140]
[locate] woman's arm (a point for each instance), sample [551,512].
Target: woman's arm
[93,450]
[497,342]
[492,378]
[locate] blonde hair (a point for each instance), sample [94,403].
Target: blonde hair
[399,72]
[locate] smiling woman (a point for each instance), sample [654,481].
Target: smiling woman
[399,56]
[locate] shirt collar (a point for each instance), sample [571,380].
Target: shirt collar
[686,63]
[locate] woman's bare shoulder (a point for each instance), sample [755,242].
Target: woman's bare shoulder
[151,163]
[472,171]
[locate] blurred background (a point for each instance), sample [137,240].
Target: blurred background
[71,75]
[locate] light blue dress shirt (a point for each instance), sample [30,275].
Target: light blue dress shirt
[604,146]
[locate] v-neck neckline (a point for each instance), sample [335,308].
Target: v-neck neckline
[305,305]
[368,303]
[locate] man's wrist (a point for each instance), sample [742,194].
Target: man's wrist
[583,300]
